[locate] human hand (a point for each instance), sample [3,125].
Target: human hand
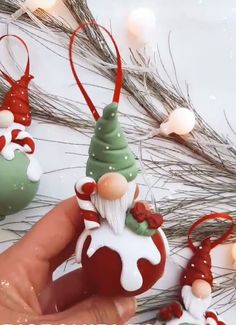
[27,291]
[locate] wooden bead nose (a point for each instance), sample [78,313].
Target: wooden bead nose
[201,289]
[112,186]
[6,119]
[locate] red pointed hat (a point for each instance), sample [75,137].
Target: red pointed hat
[199,266]
[17,101]
[17,98]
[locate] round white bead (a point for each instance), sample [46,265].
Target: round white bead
[6,119]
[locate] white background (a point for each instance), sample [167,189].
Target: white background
[203,38]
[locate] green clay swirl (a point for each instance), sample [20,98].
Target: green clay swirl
[16,190]
[109,151]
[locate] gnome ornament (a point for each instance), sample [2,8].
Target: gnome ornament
[19,170]
[122,249]
[196,282]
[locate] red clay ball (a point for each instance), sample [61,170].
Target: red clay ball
[103,270]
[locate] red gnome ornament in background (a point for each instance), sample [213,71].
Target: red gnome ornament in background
[196,284]
[19,170]
[16,100]
[122,249]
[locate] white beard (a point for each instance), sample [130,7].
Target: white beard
[195,306]
[115,211]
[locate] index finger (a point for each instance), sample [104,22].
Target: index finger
[54,236]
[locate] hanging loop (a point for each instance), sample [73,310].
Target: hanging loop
[27,68]
[202,220]
[119,75]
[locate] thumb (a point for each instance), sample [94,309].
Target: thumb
[96,310]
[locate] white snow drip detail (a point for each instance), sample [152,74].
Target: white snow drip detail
[130,247]
[8,152]
[34,171]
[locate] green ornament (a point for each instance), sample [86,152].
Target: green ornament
[139,228]
[16,190]
[109,150]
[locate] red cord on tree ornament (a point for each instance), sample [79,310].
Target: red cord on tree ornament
[119,75]
[197,280]
[19,170]
[121,252]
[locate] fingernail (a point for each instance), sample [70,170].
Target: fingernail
[126,307]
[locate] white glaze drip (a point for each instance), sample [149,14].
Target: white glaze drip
[130,247]
[34,171]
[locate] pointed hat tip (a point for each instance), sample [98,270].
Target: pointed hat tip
[110,111]
[206,244]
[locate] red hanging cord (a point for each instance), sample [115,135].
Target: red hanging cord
[119,75]
[211,217]
[27,68]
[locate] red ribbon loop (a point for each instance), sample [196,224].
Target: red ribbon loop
[119,75]
[211,217]
[27,68]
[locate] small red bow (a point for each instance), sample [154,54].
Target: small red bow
[174,310]
[141,213]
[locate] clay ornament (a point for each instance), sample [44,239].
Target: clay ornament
[123,248]
[196,283]
[20,172]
